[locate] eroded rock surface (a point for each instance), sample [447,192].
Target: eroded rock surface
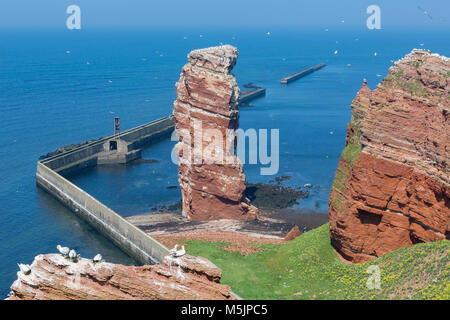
[206,116]
[57,278]
[391,188]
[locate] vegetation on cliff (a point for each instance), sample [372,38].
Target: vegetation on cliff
[308,268]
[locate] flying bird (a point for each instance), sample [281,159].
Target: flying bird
[425,12]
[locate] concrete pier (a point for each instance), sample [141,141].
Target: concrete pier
[250,95]
[302,73]
[111,149]
[126,236]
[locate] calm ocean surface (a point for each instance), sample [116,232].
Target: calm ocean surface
[62,87]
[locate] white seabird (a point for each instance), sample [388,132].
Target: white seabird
[97,258]
[335,52]
[24,268]
[63,250]
[181,252]
[73,255]
[173,251]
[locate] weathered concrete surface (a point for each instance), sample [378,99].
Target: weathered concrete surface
[125,235]
[302,73]
[245,97]
[212,180]
[54,277]
[392,185]
[85,155]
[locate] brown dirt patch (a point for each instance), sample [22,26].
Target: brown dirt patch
[244,244]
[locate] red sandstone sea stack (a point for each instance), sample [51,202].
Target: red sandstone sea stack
[206,116]
[391,187]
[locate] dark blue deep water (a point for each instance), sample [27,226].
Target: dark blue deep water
[62,87]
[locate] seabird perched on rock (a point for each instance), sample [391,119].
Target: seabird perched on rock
[24,268]
[73,255]
[181,252]
[97,258]
[173,251]
[63,250]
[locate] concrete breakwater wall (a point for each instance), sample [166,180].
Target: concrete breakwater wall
[250,95]
[87,154]
[124,234]
[302,73]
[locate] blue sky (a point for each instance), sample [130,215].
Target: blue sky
[230,13]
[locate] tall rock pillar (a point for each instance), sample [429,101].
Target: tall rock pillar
[206,116]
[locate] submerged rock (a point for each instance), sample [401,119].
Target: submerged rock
[391,187]
[56,278]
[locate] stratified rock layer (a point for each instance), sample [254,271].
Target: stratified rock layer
[206,116]
[54,277]
[391,187]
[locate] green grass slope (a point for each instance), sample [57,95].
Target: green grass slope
[308,268]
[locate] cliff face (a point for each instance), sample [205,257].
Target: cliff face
[54,277]
[206,116]
[391,187]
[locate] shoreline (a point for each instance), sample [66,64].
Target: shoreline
[270,227]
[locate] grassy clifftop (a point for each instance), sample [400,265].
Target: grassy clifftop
[308,268]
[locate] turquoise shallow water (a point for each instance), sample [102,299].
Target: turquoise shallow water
[49,98]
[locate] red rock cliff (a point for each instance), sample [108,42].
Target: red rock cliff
[54,277]
[391,187]
[206,116]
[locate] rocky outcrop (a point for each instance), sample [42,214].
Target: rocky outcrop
[391,187]
[57,278]
[206,116]
[294,233]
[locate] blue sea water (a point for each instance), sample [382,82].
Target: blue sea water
[58,87]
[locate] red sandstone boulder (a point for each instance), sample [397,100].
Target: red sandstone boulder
[54,277]
[206,117]
[294,233]
[391,187]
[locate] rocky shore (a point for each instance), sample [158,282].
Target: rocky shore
[54,277]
